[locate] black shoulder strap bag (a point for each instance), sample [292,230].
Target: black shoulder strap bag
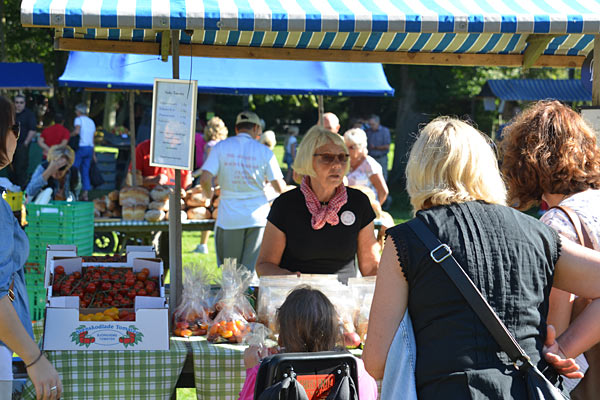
[538,387]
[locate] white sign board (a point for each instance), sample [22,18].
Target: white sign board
[592,117]
[173,123]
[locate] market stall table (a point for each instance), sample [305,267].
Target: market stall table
[134,230]
[218,370]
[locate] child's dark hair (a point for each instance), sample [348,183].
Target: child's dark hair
[307,322]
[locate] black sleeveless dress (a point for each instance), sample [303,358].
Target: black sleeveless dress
[510,257]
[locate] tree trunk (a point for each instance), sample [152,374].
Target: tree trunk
[407,124]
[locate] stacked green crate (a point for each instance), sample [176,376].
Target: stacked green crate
[55,223]
[60,223]
[37,295]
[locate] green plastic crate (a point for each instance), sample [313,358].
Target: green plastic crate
[34,279]
[37,301]
[61,213]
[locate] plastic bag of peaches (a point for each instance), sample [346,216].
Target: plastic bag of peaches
[235,282]
[234,309]
[192,316]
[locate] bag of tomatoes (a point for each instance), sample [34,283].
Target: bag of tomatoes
[229,326]
[235,282]
[192,316]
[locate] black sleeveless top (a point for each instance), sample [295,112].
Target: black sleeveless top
[510,257]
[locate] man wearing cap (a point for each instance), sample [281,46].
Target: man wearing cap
[242,166]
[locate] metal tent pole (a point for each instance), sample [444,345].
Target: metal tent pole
[175,211]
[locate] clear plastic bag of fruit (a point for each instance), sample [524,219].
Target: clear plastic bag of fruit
[235,282]
[271,294]
[191,318]
[363,290]
[229,326]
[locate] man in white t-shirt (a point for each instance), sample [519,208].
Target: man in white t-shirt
[85,129]
[242,166]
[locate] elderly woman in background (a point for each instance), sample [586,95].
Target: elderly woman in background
[16,333]
[550,154]
[57,173]
[320,227]
[456,189]
[364,170]
[269,139]
[214,132]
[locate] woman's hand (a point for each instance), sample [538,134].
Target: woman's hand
[45,380]
[555,357]
[253,355]
[57,164]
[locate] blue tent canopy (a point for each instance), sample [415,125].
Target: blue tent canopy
[22,76]
[536,89]
[227,76]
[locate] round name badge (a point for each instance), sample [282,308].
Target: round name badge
[348,218]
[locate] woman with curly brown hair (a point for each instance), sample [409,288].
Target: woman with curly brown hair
[550,154]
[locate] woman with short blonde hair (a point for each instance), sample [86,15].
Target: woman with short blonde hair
[452,162]
[364,169]
[322,226]
[215,130]
[316,137]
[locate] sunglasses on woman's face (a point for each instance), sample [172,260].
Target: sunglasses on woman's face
[328,158]
[16,129]
[63,168]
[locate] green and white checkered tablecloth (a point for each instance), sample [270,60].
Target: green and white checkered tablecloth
[117,374]
[219,370]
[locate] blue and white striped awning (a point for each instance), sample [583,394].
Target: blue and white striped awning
[444,26]
[536,89]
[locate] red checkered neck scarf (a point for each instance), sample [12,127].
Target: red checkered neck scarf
[323,213]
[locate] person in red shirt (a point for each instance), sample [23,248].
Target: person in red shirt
[55,134]
[151,176]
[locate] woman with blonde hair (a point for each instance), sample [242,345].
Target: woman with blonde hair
[58,173]
[320,227]
[456,190]
[551,154]
[364,170]
[214,132]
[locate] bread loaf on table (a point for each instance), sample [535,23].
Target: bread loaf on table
[100,204]
[160,193]
[114,195]
[136,195]
[159,205]
[183,216]
[198,213]
[197,200]
[154,215]
[134,213]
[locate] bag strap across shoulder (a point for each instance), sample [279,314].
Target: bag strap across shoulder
[442,254]
[582,233]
